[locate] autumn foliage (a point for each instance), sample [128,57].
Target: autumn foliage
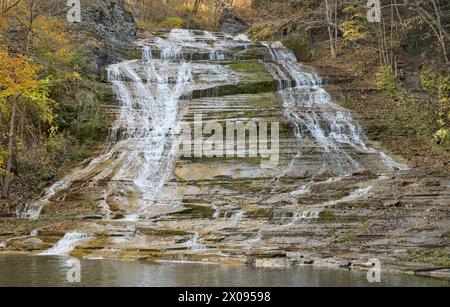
[49,104]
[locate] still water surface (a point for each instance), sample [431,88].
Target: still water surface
[51,271]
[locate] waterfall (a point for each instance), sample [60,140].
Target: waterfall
[33,211]
[29,211]
[148,115]
[66,244]
[237,217]
[183,44]
[141,149]
[316,117]
[194,243]
[142,145]
[314,114]
[147,54]
[216,213]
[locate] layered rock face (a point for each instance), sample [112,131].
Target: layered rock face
[305,187]
[230,23]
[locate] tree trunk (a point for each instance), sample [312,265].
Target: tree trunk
[11,140]
[434,21]
[330,32]
[311,42]
[196,7]
[336,27]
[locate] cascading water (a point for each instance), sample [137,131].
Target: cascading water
[66,244]
[313,212]
[231,205]
[314,114]
[142,147]
[194,243]
[139,159]
[149,113]
[147,54]
[311,109]
[201,45]
[237,217]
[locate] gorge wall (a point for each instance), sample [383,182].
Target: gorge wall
[108,21]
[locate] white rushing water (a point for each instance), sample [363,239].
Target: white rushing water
[194,243]
[311,109]
[316,117]
[142,146]
[201,45]
[236,218]
[255,239]
[67,244]
[148,116]
[131,218]
[216,213]
[139,159]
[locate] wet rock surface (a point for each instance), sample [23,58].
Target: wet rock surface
[333,199]
[230,23]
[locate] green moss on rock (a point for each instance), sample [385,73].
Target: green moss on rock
[194,211]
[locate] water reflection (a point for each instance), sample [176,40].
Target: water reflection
[51,271]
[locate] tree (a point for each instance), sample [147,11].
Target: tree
[26,12]
[20,86]
[436,16]
[197,4]
[54,49]
[7,5]
[331,17]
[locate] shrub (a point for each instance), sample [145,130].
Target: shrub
[172,23]
[300,46]
[385,79]
[437,83]
[353,31]
[42,162]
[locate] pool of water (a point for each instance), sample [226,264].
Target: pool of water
[52,271]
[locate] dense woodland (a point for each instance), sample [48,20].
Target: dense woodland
[50,98]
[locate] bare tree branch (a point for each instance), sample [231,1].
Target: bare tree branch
[7,5]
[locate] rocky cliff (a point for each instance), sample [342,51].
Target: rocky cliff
[112,25]
[230,23]
[108,21]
